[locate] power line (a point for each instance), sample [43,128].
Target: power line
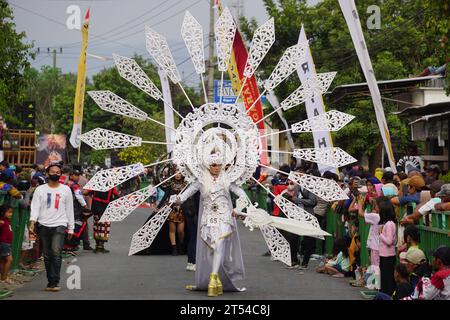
[60,23]
[373,49]
[378,42]
[134,19]
[106,65]
[153,25]
[139,24]
[105,39]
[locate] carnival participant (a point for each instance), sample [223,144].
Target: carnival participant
[218,256]
[100,201]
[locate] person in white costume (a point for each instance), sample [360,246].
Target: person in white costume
[218,248]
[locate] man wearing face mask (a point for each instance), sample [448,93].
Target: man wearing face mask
[52,207]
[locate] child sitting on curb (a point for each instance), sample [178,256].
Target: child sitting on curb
[340,265]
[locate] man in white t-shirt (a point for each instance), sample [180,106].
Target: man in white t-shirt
[52,208]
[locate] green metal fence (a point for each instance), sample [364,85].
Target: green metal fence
[434,232]
[20,218]
[258,195]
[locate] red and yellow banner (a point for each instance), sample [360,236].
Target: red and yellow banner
[250,92]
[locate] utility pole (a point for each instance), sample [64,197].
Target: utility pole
[52,106]
[211,53]
[238,8]
[54,52]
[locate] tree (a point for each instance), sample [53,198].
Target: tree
[406,43]
[54,94]
[148,131]
[14,55]
[47,87]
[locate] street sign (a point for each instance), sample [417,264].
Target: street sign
[228,95]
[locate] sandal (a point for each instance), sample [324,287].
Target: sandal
[358,284]
[338,275]
[7,281]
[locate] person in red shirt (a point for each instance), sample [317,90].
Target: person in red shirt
[279,185]
[100,201]
[6,238]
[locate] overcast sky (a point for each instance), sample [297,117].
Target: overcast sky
[115,27]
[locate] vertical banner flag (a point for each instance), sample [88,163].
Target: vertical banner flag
[250,92]
[81,82]
[351,17]
[315,105]
[168,112]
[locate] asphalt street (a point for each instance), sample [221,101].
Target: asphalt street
[117,276]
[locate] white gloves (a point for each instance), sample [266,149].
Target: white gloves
[175,199]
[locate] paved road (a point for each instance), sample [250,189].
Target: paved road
[117,276]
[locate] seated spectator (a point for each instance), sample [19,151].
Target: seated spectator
[403,288]
[339,265]
[435,287]
[417,266]
[438,287]
[6,239]
[411,237]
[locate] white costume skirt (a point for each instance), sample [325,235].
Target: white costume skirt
[212,234]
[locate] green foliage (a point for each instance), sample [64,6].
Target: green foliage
[51,90]
[149,131]
[445,178]
[14,55]
[411,38]
[54,94]
[97,157]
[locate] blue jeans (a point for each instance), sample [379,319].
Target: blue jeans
[382,296]
[52,239]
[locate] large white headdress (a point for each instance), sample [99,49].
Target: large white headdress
[216,133]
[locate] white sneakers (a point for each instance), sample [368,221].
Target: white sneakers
[190,267]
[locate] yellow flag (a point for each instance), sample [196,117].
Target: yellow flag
[81,82]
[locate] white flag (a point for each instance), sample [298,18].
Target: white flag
[351,16]
[315,105]
[168,112]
